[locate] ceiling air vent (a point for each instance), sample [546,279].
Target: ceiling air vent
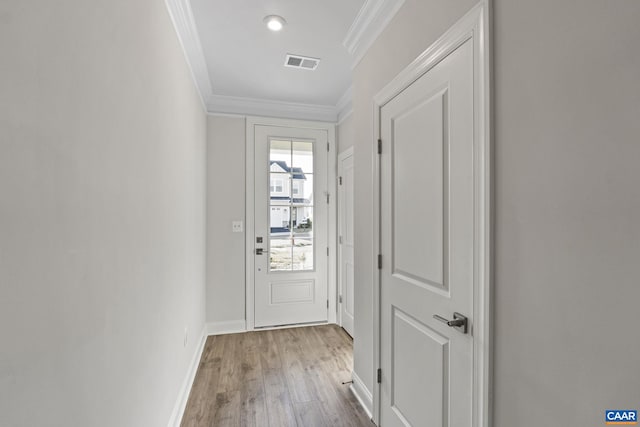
[304,62]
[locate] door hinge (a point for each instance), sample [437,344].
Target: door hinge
[327,147]
[340,299]
[379,375]
[327,251]
[339,180]
[380,262]
[327,303]
[379,146]
[340,240]
[327,197]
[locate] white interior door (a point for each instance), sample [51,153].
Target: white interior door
[427,244]
[345,240]
[290,244]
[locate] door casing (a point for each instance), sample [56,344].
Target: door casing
[474,25]
[330,128]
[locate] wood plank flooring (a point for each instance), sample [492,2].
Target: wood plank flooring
[278,378]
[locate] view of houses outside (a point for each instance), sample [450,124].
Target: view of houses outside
[291,205]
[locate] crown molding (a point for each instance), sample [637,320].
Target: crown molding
[373,18]
[184,23]
[344,107]
[269,108]
[185,26]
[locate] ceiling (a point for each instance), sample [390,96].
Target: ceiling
[245,59]
[238,64]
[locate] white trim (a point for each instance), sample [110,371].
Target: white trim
[375,251]
[187,383]
[344,107]
[249,220]
[348,152]
[230,115]
[330,128]
[181,15]
[270,108]
[362,393]
[292,326]
[474,25]
[332,223]
[373,18]
[344,117]
[227,327]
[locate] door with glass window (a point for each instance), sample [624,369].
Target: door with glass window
[290,253]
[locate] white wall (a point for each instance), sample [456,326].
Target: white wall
[102,176]
[567,103]
[225,203]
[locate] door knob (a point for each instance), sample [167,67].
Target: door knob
[459,322]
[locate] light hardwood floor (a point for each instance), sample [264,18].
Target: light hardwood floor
[278,378]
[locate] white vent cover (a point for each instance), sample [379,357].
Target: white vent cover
[304,62]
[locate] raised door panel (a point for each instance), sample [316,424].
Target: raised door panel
[419,396]
[419,192]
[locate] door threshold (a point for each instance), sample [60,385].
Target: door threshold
[289,325]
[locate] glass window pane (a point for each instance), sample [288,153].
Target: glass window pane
[280,150]
[280,186]
[280,218]
[302,157]
[302,218]
[291,205]
[280,247]
[303,249]
[302,252]
[302,190]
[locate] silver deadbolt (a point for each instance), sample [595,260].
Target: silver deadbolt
[459,322]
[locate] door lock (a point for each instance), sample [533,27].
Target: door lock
[259,251]
[459,322]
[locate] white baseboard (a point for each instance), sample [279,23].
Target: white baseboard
[228,327]
[362,393]
[183,396]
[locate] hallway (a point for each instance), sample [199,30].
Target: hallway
[277,378]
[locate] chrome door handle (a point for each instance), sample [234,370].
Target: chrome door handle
[459,322]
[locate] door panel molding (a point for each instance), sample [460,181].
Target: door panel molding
[472,26]
[330,128]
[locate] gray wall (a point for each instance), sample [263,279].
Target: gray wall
[567,143]
[225,203]
[102,175]
[346,134]
[567,132]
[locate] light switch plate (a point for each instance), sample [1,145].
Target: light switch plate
[236,226]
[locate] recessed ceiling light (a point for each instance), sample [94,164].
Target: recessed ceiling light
[274,22]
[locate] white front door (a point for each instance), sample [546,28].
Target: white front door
[290,242]
[427,244]
[345,239]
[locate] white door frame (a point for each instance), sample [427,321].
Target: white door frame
[474,25]
[349,152]
[330,128]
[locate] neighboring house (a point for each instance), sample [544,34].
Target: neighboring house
[288,205]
